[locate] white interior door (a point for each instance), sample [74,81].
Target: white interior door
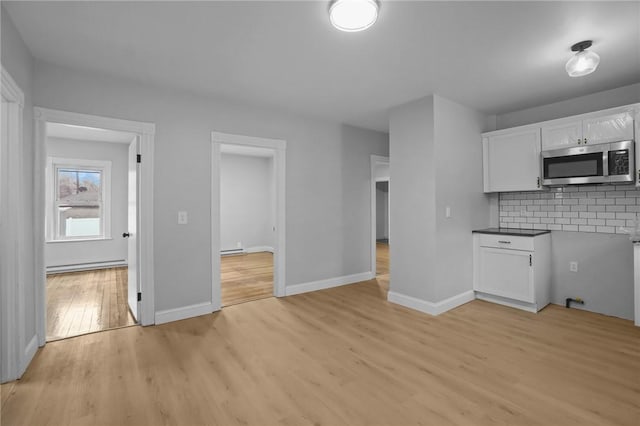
[132,249]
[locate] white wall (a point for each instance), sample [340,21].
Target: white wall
[111,250]
[327,179]
[17,60]
[436,162]
[605,276]
[246,202]
[382,210]
[413,210]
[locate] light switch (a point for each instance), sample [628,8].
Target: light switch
[447,211]
[183,218]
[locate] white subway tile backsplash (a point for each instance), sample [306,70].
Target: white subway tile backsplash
[588,208]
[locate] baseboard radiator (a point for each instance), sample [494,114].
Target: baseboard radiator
[232,251]
[87,266]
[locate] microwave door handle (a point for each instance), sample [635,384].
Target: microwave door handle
[605,163]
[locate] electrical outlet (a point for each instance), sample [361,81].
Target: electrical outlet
[239,244]
[573,266]
[447,211]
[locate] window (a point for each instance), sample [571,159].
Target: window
[79,193]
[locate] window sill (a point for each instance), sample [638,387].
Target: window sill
[77,240]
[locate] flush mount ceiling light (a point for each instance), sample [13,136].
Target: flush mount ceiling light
[583,62]
[353,15]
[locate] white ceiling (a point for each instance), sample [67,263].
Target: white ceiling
[493,56]
[68,131]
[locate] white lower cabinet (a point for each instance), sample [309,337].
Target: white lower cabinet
[513,270]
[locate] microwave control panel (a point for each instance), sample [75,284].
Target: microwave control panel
[619,162]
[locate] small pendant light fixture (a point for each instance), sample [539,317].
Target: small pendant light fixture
[353,15]
[583,62]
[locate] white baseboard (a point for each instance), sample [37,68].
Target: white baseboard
[29,352]
[529,307]
[328,283]
[258,249]
[86,266]
[185,312]
[430,307]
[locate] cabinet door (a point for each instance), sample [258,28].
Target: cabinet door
[512,162]
[562,135]
[506,273]
[608,128]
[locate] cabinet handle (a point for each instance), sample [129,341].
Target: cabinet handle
[530,260]
[504,242]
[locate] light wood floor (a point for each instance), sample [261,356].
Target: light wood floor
[382,258]
[85,302]
[343,356]
[246,277]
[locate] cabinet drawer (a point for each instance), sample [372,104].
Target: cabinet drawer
[505,241]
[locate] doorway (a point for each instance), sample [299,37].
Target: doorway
[93,239]
[245,265]
[91,208]
[247,223]
[380,219]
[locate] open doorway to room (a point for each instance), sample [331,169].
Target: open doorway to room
[94,222]
[247,218]
[90,196]
[380,221]
[247,194]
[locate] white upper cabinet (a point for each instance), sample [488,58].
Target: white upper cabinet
[512,161]
[609,128]
[591,130]
[562,135]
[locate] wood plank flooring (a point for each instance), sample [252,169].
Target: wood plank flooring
[382,258]
[246,277]
[343,356]
[86,302]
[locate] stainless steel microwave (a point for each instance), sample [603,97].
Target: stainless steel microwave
[598,163]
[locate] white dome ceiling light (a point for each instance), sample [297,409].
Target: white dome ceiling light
[583,62]
[353,15]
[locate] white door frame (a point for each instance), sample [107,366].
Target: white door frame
[279,147]
[15,353]
[376,160]
[145,133]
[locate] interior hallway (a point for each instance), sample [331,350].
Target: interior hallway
[87,301]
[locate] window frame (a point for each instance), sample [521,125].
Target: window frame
[52,217]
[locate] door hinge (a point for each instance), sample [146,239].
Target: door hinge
[139,158]
[538,181]
[530,262]
[139,297]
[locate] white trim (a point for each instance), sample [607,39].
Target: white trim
[512,303]
[13,262]
[10,89]
[260,249]
[279,166]
[29,353]
[329,283]
[430,307]
[86,266]
[376,160]
[145,133]
[177,314]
